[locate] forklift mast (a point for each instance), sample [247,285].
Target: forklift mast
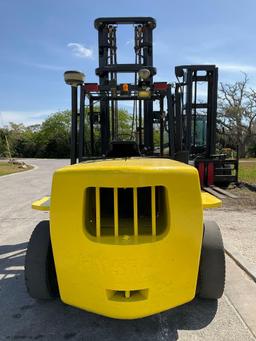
[186,115]
[103,98]
[109,69]
[195,104]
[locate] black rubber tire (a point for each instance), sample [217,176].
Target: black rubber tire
[40,274]
[211,278]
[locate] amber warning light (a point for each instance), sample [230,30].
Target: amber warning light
[125,87]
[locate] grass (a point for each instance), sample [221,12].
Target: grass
[247,171]
[9,168]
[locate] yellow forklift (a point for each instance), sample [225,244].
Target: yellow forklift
[126,236]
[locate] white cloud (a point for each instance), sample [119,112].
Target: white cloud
[81,51]
[25,117]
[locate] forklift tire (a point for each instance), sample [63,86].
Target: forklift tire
[40,274]
[211,279]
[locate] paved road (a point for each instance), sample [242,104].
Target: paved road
[24,318]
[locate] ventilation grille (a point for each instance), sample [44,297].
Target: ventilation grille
[125,212]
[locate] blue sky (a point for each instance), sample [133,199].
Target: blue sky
[40,39]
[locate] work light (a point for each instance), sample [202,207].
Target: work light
[74,78]
[144,74]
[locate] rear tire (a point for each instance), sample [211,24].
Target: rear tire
[40,274]
[211,278]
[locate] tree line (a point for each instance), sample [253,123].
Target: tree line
[236,117]
[236,126]
[51,139]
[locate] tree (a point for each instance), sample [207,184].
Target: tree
[53,139]
[237,114]
[4,142]
[125,127]
[13,135]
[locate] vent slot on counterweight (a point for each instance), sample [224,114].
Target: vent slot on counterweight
[132,211]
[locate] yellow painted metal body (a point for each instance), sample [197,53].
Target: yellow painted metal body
[42,204]
[127,276]
[210,201]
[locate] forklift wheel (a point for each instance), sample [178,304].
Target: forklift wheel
[211,279]
[40,274]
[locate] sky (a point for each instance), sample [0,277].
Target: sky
[40,39]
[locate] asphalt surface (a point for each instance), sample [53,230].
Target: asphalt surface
[22,318]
